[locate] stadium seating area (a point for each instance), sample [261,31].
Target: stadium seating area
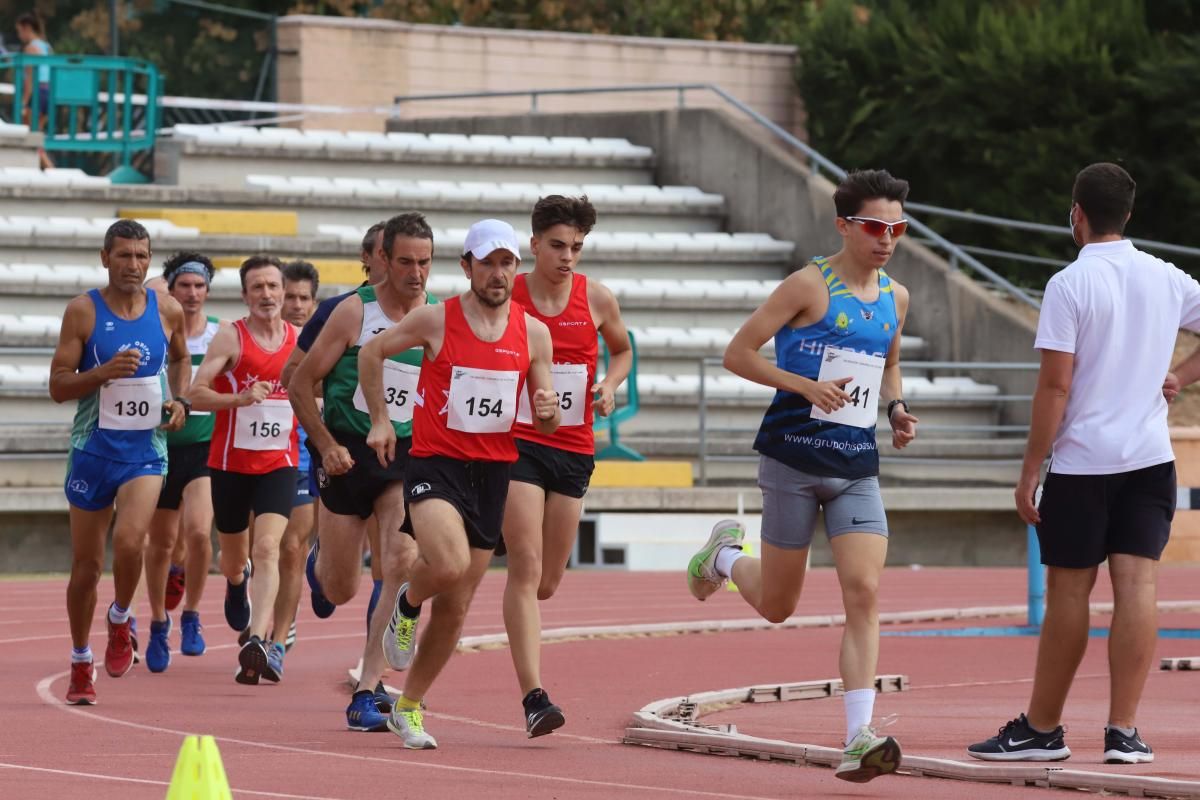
[684,281]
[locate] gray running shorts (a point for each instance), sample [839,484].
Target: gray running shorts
[791,499]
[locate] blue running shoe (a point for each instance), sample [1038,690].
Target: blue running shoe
[274,670]
[363,715]
[158,652]
[320,603]
[237,602]
[193,640]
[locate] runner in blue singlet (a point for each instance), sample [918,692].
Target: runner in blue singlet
[122,353]
[836,325]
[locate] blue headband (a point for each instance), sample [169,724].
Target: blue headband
[189,268]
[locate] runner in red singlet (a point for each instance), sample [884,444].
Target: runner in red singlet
[480,351]
[253,457]
[551,476]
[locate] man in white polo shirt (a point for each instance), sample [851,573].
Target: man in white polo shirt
[1107,333]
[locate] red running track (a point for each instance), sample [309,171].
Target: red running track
[289,741]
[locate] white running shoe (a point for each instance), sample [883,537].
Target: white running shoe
[400,638]
[408,725]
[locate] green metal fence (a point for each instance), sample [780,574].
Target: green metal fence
[96,105]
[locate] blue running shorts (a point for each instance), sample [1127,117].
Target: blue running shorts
[92,482]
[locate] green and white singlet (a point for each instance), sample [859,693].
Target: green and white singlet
[345,406]
[199,425]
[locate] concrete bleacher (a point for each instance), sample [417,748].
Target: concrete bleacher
[684,281]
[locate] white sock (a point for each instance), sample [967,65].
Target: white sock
[118,615]
[726,558]
[81,656]
[1126,732]
[860,705]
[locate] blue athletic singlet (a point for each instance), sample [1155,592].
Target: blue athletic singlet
[788,434]
[101,434]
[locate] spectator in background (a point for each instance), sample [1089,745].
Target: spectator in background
[32,34]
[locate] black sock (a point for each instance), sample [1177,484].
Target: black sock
[406,609]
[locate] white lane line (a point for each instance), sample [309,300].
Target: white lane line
[146,782]
[43,690]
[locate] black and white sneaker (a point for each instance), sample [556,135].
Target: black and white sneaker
[1122,749]
[541,716]
[1016,741]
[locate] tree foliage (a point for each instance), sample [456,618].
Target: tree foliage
[994,106]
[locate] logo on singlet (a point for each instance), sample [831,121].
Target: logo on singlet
[867,315]
[78,486]
[141,347]
[572,323]
[378,331]
[508,352]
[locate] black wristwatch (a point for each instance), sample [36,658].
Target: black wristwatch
[187,406]
[892,407]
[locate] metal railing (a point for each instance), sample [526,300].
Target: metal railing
[706,430]
[88,105]
[817,162]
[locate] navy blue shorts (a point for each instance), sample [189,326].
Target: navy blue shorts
[92,482]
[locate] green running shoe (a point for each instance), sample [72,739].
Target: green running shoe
[703,578]
[868,756]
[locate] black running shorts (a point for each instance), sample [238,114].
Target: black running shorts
[477,489]
[555,470]
[185,463]
[1087,517]
[355,492]
[236,494]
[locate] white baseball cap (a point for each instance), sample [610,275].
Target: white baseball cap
[489,235]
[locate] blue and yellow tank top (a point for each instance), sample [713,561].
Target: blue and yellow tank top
[788,433]
[110,335]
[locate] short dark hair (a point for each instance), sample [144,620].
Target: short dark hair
[556,209]
[30,19]
[867,184]
[368,245]
[125,229]
[301,270]
[410,224]
[177,260]
[256,262]
[1105,194]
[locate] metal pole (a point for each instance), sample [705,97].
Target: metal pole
[1036,580]
[703,428]
[113,31]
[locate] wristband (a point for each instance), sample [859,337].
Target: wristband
[892,407]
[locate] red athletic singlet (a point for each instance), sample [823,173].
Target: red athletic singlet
[574,371]
[260,438]
[467,396]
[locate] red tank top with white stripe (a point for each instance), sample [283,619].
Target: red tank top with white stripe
[467,396]
[260,438]
[574,370]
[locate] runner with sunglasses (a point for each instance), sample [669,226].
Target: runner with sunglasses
[836,325]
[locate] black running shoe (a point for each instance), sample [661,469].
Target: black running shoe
[1122,749]
[237,602]
[252,660]
[1016,741]
[541,716]
[383,700]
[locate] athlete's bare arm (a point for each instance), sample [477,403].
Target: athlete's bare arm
[340,332]
[421,327]
[66,382]
[606,314]
[791,299]
[222,354]
[179,360]
[904,424]
[546,413]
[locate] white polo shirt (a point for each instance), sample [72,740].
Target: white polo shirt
[1119,310]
